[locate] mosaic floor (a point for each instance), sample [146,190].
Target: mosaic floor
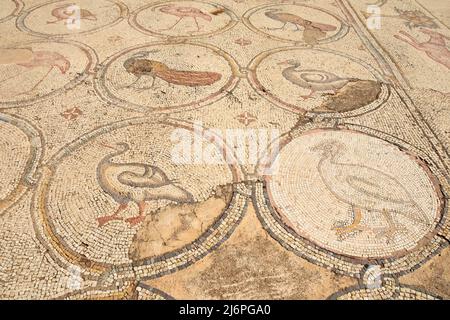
[224,150]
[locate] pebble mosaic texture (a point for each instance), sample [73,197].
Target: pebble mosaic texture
[118,179]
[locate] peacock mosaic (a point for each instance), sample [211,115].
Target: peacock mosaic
[348,200]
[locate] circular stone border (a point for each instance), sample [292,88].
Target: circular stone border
[107,96]
[79,78]
[342,32]
[20,22]
[29,175]
[400,264]
[127,290]
[265,93]
[147,268]
[390,289]
[132,20]
[17,11]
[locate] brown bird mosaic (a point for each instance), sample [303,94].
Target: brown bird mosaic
[312,31]
[139,66]
[185,12]
[347,92]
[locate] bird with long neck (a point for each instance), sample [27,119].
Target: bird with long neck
[312,79]
[135,182]
[365,188]
[435,48]
[31,59]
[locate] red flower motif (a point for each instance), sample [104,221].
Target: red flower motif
[72,113]
[246,118]
[242,42]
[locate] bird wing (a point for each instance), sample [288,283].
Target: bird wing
[323,26]
[189,78]
[143,176]
[319,76]
[378,186]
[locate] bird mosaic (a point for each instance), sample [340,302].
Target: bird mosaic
[135,182]
[367,190]
[312,31]
[139,66]
[316,80]
[435,48]
[184,12]
[31,59]
[69,13]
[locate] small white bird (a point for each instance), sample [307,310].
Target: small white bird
[366,188]
[135,182]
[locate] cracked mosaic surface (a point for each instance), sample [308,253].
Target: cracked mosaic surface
[94,206]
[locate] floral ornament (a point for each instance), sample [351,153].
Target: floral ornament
[246,118]
[243,42]
[72,113]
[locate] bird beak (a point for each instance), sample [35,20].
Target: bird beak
[106,145]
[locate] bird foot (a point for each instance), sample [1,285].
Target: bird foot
[387,233]
[104,220]
[346,230]
[135,220]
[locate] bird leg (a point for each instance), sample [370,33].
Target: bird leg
[148,87]
[353,226]
[196,22]
[280,28]
[138,219]
[388,232]
[131,85]
[106,219]
[173,26]
[38,83]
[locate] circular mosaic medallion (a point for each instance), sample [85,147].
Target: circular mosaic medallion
[10,8]
[164,77]
[62,18]
[298,23]
[183,19]
[128,197]
[37,70]
[317,82]
[354,195]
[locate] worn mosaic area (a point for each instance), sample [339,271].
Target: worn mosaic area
[349,200]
